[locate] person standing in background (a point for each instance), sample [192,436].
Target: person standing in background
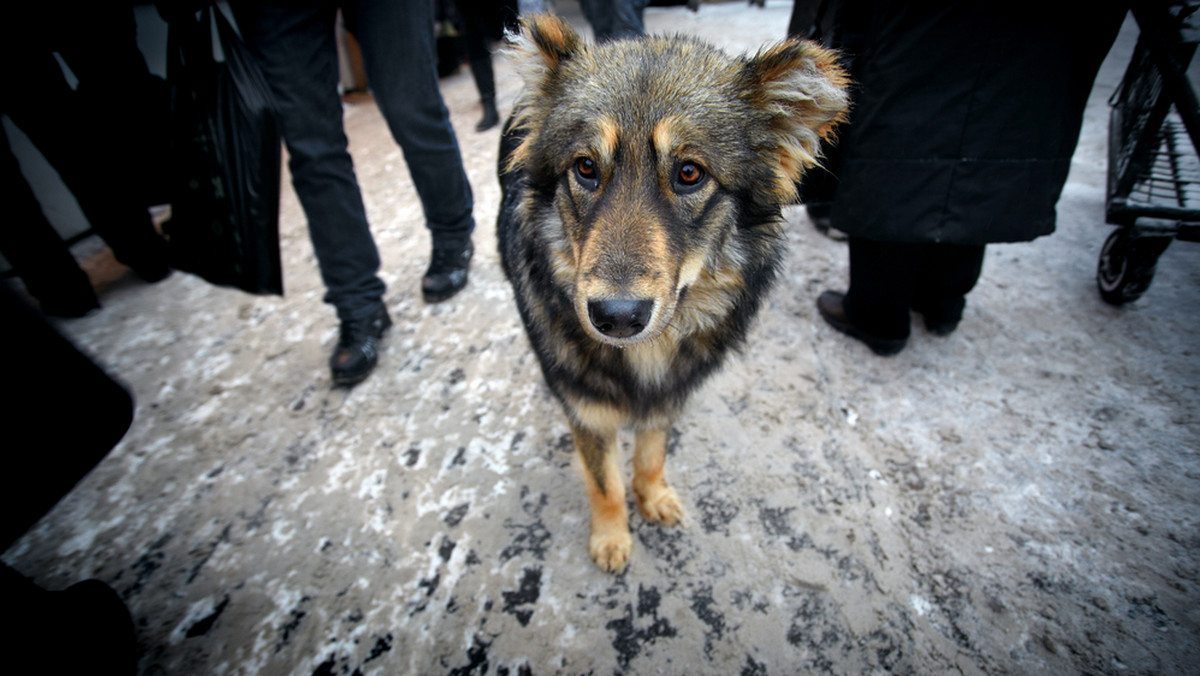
[296,44]
[965,118]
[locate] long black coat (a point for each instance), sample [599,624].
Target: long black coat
[966,115]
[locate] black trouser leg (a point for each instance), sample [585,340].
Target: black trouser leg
[881,286]
[474,30]
[888,280]
[946,275]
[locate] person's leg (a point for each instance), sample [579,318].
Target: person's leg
[614,19]
[875,309]
[630,21]
[599,17]
[297,49]
[473,15]
[398,50]
[296,46]
[946,275]
[882,276]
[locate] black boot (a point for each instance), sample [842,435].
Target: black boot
[491,117]
[447,273]
[358,348]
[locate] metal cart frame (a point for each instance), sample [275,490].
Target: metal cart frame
[1153,167]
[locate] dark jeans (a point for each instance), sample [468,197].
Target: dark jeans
[890,280]
[614,19]
[483,22]
[296,44]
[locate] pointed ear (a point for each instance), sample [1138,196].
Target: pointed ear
[803,89]
[543,44]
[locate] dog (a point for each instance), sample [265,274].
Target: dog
[640,229]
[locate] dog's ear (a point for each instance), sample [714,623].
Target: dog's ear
[543,44]
[803,90]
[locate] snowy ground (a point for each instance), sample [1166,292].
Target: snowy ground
[1020,497]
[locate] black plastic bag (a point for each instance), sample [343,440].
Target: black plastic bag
[226,154]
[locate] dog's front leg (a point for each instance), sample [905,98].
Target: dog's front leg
[610,543]
[656,500]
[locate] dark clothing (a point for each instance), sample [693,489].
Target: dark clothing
[614,19]
[965,115]
[479,54]
[35,250]
[890,279]
[482,23]
[94,136]
[66,417]
[965,118]
[295,43]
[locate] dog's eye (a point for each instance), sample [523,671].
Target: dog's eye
[690,174]
[586,169]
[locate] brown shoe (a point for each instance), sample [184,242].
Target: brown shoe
[831,305]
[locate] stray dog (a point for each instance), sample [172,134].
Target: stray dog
[640,229]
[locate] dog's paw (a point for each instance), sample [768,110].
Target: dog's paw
[610,550]
[659,502]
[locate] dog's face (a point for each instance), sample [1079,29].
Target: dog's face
[654,152]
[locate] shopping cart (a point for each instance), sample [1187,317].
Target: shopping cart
[1153,168]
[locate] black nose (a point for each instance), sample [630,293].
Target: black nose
[620,318]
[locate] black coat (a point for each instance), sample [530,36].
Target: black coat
[966,115]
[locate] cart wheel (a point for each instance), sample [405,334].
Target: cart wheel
[1127,265]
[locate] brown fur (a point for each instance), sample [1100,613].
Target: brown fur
[643,181]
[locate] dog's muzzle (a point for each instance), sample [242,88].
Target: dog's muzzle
[620,318]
